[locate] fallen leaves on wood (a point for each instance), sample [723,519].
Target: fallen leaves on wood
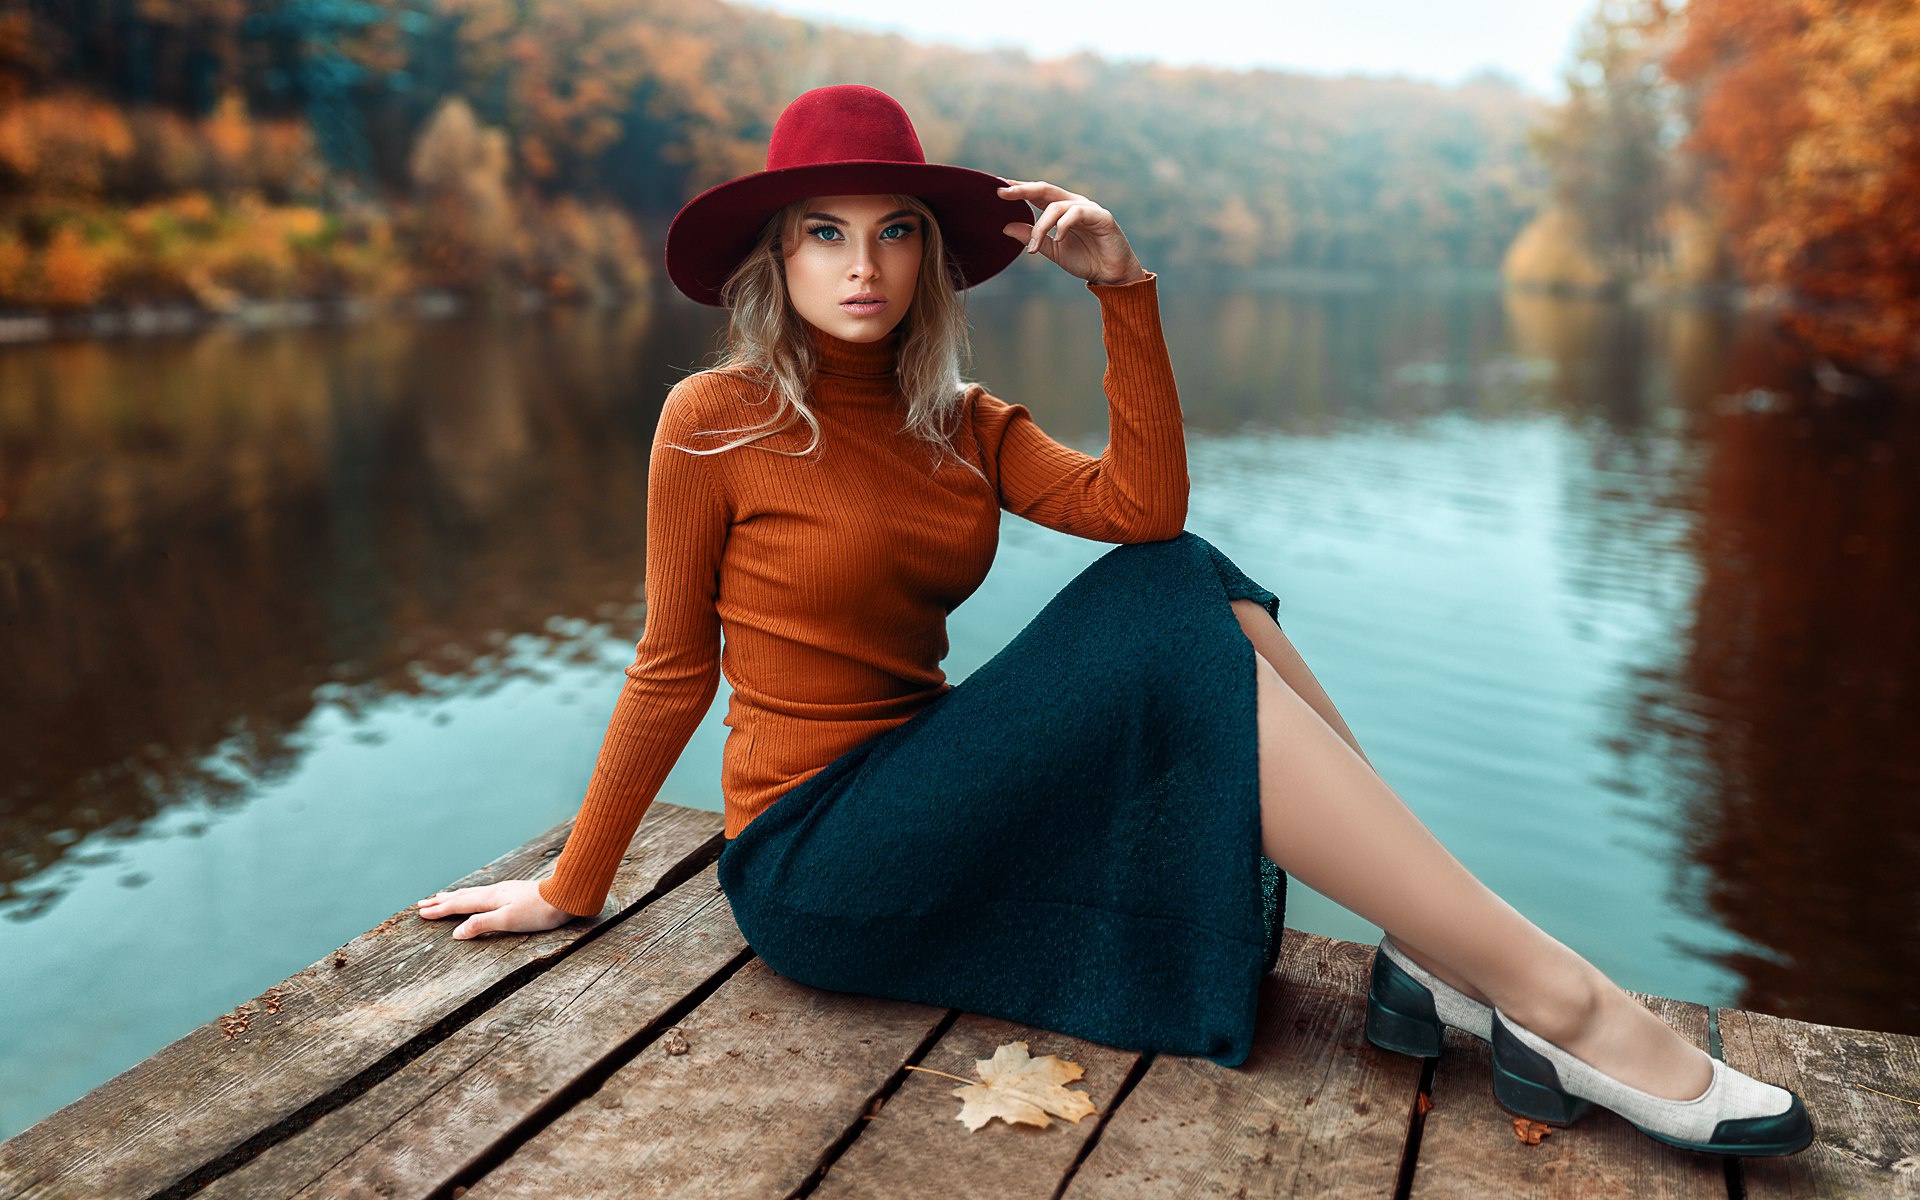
[1422,1104]
[235,1023]
[1020,1089]
[1530,1132]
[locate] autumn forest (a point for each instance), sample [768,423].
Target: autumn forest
[209,154]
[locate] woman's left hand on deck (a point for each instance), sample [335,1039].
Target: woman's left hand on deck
[1073,231]
[510,906]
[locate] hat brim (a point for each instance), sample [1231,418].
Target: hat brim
[713,231]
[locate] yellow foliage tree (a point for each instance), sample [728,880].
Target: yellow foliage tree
[1809,123]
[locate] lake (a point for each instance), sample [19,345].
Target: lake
[303,624]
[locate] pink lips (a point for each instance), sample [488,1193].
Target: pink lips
[864,305]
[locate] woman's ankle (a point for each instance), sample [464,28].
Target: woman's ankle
[1438,970]
[1561,1004]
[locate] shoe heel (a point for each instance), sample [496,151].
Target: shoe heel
[1526,1083]
[1400,1012]
[1536,1101]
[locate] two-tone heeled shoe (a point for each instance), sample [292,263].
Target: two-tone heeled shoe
[1737,1114]
[1409,1007]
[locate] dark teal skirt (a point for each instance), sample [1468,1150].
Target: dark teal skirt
[1068,838]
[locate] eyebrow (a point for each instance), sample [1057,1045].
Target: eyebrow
[905,212]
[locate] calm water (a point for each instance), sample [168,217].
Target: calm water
[299,626]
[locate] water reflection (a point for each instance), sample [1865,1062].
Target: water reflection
[345,607]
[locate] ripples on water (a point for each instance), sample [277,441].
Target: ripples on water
[303,624]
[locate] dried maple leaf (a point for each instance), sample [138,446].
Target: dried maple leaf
[1530,1132]
[1023,1089]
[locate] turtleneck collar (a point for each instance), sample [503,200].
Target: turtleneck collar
[864,362]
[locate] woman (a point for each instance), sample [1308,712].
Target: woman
[1088,834]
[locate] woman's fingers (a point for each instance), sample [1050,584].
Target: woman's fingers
[1067,220]
[1097,249]
[1038,191]
[1044,226]
[1057,200]
[479,900]
[459,900]
[510,906]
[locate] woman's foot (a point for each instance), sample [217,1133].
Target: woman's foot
[1604,1027]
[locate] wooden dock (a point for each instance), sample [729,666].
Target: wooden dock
[648,1052]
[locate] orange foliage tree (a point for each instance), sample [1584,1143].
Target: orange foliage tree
[1807,120]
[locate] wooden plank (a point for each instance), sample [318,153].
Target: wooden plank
[423,1128]
[1468,1146]
[1315,1110]
[773,1075]
[1864,1143]
[220,1091]
[916,1145]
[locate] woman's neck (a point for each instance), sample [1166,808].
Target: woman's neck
[875,360]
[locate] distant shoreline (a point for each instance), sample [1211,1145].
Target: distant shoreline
[149,320]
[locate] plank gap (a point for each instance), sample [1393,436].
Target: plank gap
[1736,1178]
[586,1083]
[883,1093]
[1416,1125]
[396,1060]
[1736,1182]
[1135,1074]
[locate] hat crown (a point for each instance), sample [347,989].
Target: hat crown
[840,123]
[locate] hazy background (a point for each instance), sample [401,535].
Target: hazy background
[1555,366]
[1439,43]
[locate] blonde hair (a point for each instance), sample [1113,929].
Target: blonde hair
[768,339]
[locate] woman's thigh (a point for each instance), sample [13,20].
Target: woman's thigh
[1278,650]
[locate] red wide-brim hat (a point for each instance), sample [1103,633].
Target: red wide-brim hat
[842,140]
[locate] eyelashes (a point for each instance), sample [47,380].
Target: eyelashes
[909,226]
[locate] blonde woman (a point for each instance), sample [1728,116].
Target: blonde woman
[1093,831]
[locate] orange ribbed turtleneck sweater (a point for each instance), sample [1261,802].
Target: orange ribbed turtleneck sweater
[832,575]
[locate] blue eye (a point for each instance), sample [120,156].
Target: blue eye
[907,226]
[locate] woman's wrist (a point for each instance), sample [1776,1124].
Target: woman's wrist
[1133,275]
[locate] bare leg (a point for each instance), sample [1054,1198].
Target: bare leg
[1277,649]
[1330,821]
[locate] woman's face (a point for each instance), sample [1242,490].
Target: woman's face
[855,246]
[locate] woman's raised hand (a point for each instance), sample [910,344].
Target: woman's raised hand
[510,906]
[1074,232]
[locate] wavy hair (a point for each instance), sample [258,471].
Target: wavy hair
[767,339]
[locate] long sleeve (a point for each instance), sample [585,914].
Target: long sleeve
[676,668]
[1136,490]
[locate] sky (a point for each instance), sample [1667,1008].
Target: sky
[1530,40]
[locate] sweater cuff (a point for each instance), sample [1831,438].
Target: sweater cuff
[1135,304]
[555,901]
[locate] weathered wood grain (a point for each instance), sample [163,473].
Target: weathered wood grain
[1314,1111]
[1864,1143]
[544,1065]
[216,1092]
[1469,1148]
[774,1075]
[916,1145]
[418,1130]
